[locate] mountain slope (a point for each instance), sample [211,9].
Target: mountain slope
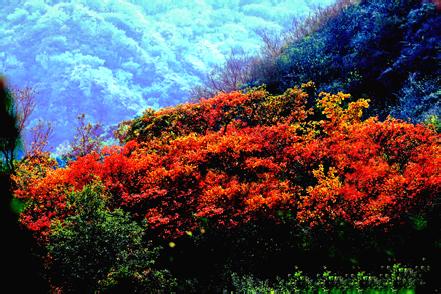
[111,59]
[385,50]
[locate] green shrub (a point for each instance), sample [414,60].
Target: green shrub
[100,250]
[394,279]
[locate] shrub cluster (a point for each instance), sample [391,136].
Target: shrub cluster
[244,182]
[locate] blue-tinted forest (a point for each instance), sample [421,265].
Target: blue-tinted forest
[112,59]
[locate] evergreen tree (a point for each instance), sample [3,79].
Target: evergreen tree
[21,270]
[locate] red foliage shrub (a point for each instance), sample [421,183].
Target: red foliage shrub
[238,157]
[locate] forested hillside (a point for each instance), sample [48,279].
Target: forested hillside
[386,50]
[112,59]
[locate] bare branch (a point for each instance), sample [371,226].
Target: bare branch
[240,69]
[25,105]
[272,43]
[87,138]
[40,135]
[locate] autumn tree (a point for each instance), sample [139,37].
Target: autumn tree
[237,157]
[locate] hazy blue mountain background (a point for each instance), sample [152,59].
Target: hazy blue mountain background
[111,59]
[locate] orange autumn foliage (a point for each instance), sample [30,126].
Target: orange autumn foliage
[239,157]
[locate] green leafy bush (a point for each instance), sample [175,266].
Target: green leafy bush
[96,249]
